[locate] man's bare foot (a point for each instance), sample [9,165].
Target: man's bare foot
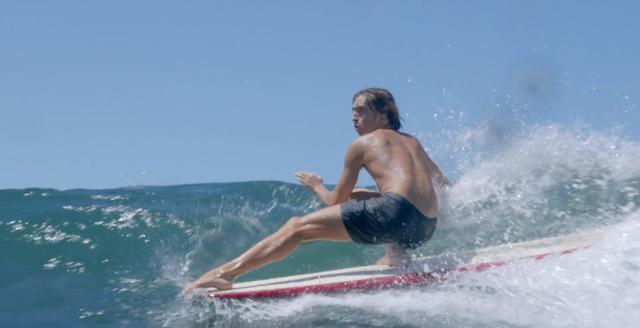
[394,260]
[395,256]
[213,278]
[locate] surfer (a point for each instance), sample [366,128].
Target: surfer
[402,215]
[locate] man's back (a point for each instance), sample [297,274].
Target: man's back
[398,163]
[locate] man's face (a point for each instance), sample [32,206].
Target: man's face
[364,119]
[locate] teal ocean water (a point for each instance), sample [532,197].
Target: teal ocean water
[119,257]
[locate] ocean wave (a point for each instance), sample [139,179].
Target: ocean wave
[134,248]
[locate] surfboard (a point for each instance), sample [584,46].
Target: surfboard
[423,271]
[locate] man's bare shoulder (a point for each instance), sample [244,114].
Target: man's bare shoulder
[386,134]
[381,137]
[406,136]
[364,140]
[359,145]
[365,143]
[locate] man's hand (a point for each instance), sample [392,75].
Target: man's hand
[310,180]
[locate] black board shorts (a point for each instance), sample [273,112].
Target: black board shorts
[388,219]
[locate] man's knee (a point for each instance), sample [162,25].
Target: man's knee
[294,223]
[295,227]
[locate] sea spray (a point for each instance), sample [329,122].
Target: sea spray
[595,287]
[119,257]
[549,181]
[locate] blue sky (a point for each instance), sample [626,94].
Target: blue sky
[107,94]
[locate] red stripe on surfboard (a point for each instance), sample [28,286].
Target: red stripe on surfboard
[336,287]
[400,280]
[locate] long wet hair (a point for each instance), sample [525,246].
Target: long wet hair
[382,101]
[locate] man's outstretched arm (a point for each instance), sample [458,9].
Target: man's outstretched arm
[354,160]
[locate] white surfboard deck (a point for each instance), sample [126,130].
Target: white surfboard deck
[423,271]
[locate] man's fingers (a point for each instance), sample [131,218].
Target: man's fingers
[186,291]
[189,289]
[302,176]
[308,179]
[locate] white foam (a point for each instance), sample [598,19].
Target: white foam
[545,177]
[595,287]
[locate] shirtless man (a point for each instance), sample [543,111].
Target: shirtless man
[402,216]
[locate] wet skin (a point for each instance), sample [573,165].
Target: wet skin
[396,161]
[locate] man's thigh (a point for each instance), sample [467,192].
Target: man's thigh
[324,224]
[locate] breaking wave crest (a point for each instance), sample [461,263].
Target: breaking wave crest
[119,257]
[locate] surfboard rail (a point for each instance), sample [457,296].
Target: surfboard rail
[423,271]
